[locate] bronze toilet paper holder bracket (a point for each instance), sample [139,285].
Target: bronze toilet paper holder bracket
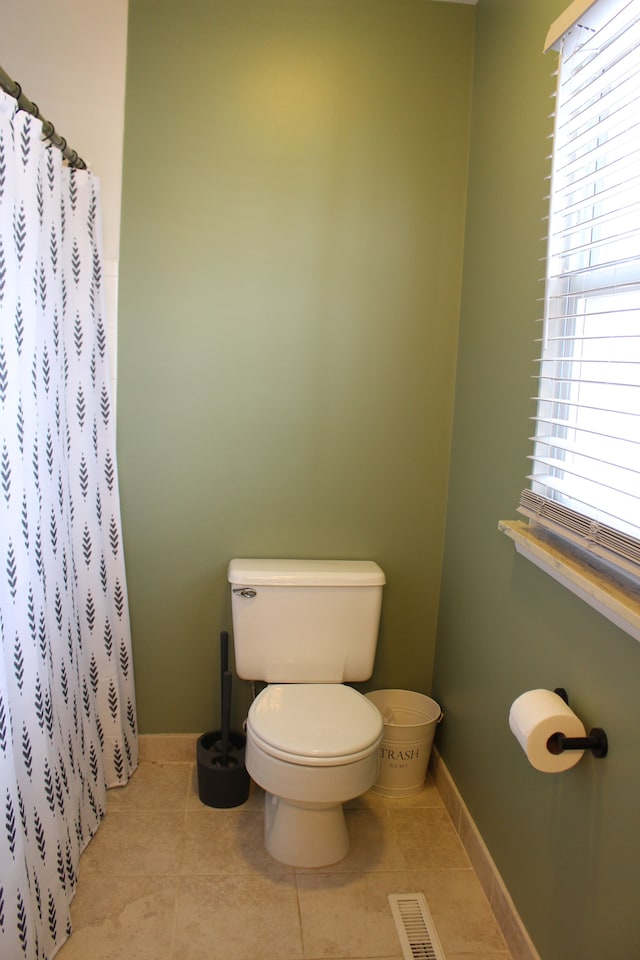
[596,741]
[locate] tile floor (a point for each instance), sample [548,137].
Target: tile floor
[167,878]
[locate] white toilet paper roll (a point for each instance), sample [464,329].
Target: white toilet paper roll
[534,717]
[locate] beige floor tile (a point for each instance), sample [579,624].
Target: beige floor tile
[238,918]
[348,915]
[494,955]
[115,918]
[428,797]
[461,912]
[427,838]
[368,801]
[135,842]
[154,786]
[169,878]
[226,841]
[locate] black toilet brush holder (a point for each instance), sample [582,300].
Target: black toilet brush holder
[222,784]
[223,780]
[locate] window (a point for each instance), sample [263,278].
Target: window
[585,479]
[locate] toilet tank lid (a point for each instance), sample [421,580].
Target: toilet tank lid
[300,573]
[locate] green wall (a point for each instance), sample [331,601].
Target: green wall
[294,199]
[293,215]
[568,846]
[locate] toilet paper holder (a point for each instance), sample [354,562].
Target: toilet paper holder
[596,741]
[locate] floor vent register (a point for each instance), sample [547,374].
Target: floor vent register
[415,927]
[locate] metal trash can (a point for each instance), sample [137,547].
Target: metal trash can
[410,722]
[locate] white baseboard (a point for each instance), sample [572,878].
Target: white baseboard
[168,747]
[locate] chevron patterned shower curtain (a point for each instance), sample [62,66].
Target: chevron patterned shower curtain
[67,706]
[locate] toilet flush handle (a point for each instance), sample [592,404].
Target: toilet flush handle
[246,592]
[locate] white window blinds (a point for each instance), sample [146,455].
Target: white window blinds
[585,481]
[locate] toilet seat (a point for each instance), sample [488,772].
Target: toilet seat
[314,724]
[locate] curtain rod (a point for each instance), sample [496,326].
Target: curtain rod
[48,130]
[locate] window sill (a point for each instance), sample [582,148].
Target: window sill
[611,599]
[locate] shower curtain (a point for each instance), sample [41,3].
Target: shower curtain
[67,705]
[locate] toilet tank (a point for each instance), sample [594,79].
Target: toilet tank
[305,621]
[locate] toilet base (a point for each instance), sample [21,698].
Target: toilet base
[304,834]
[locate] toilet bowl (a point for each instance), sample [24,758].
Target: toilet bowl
[311,747]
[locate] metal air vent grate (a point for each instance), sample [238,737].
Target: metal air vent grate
[415,927]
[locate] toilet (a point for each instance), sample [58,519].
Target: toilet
[307,628]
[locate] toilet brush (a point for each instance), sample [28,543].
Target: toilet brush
[226,716]
[224,652]
[223,780]
[222,745]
